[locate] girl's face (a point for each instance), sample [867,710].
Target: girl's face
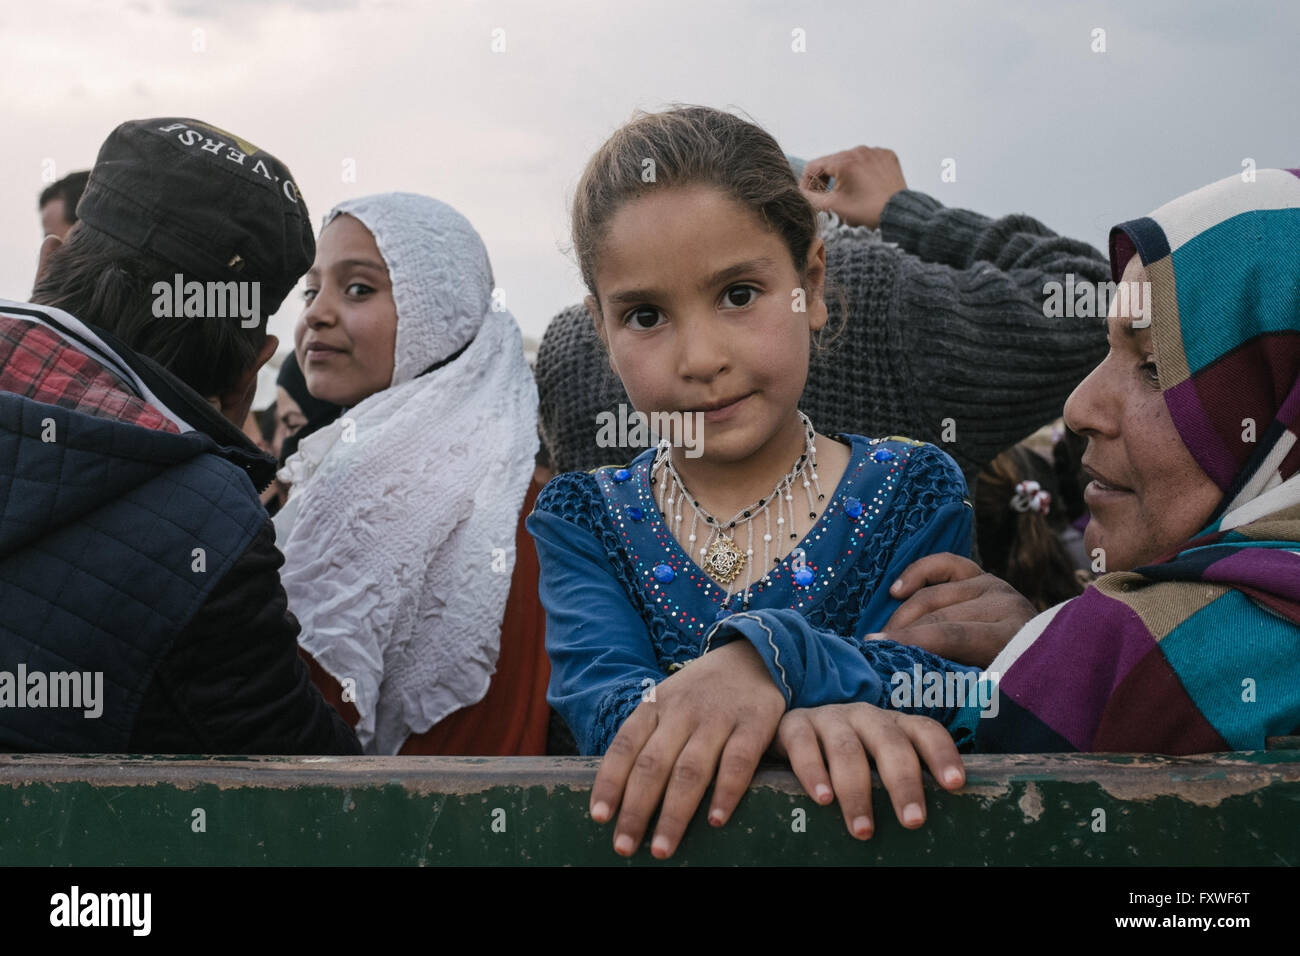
[1148,495]
[345,337]
[699,311]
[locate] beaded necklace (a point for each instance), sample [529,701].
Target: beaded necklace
[719,556]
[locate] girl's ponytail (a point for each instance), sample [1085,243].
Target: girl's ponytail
[1018,516]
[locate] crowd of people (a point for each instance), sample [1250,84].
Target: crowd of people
[1091,529]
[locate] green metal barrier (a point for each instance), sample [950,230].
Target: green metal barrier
[1240,808]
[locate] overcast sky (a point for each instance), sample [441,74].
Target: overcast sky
[414,95]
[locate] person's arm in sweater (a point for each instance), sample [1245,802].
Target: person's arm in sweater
[975,336]
[962,312]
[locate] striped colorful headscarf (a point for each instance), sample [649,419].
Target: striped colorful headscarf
[1199,651]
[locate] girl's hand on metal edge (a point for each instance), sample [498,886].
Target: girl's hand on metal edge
[716,716]
[830,749]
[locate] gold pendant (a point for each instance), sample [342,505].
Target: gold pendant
[724,560]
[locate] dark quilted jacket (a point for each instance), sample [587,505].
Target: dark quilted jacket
[146,556]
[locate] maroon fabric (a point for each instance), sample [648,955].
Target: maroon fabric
[1252,381]
[512,719]
[1151,696]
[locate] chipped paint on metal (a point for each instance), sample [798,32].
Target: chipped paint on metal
[1015,809]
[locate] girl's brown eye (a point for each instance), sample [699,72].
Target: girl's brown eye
[643,318]
[747,293]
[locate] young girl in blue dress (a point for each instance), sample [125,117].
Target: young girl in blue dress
[707,603]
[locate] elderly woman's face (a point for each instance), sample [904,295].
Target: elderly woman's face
[1148,495]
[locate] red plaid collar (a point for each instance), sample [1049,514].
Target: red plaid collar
[38,364]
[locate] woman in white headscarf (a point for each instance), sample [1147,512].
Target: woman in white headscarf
[400,534]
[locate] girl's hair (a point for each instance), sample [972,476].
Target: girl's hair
[1023,547]
[694,145]
[1067,456]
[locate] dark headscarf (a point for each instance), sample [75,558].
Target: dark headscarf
[317,412]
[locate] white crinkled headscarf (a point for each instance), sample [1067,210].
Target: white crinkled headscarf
[398,507]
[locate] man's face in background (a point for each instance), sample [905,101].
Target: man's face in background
[54,219]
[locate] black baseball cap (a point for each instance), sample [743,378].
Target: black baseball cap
[202,199]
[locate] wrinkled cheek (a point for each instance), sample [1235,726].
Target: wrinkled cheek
[1117,531]
[1092,535]
[1106,531]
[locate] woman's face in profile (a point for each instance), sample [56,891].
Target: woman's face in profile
[346,335]
[288,417]
[1147,495]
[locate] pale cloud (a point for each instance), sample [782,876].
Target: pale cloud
[413,94]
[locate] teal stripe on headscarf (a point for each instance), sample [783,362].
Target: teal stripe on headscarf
[1251,644]
[1214,280]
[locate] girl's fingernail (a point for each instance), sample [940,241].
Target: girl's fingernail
[876,636]
[624,844]
[600,811]
[862,826]
[953,777]
[913,814]
[823,793]
[896,586]
[659,846]
[716,817]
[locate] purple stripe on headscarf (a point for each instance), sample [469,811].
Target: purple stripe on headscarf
[1268,569]
[1289,412]
[1066,676]
[1198,434]
[1294,172]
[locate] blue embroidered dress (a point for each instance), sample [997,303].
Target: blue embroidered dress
[626,606]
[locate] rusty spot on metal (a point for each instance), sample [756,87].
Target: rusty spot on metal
[1204,793]
[985,790]
[1031,803]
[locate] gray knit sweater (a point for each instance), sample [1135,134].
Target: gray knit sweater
[945,321]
